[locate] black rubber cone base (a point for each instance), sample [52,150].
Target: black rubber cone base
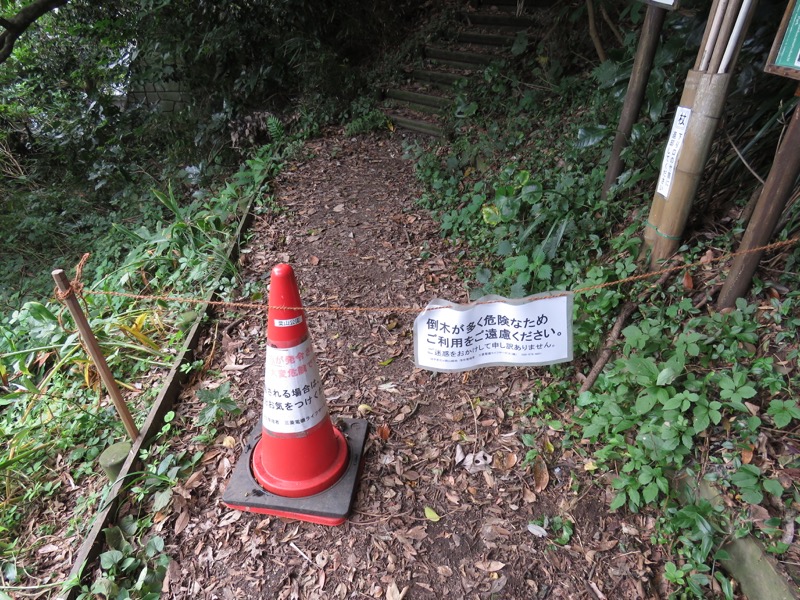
[329,507]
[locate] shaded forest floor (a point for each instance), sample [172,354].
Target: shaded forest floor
[350,227]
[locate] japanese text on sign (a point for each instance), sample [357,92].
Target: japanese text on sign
[673,150]
[293,397]
[494,331]
[789,50]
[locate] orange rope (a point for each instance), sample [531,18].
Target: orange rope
[77,286]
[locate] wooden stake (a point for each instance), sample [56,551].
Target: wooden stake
[93,348]
[776,192]
[642,65]
[598,45]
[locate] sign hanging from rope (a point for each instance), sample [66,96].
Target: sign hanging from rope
[494,331]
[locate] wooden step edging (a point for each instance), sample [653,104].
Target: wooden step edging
[485,39]
[456,56]
[498,20]
[418,126]
[436,77]
[416,98]
[93,544]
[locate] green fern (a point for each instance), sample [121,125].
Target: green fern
[275,128]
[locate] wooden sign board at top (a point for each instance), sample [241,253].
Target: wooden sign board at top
[668,4]
[784,58]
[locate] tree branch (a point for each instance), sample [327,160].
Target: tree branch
[627,310]
[16,25]
[598,45]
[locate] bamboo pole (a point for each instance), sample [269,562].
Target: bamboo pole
[776,192]
[634,97]
[711,34]
[725,32]
[93,348]
[709,100]
[735,41]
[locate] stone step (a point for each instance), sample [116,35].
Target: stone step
[511,5]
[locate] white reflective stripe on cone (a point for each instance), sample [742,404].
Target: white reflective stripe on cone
[294,401]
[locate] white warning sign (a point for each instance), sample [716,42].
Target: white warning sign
[494,331]
[293,397]
[673,150]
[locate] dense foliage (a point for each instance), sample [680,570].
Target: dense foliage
[689,390]
[81,146]
[89,166]
[154,190]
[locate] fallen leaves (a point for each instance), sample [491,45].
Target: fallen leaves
[541,475]
[490,566]
[383,432]
[474,462]
[432,515]
[394,593]
[181,522]
[537,530]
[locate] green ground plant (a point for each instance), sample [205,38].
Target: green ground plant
[690,390]
[53,404]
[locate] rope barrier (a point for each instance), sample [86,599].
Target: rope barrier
[77,287]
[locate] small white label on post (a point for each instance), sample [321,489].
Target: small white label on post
[673,150]
[494,331]
[293,397]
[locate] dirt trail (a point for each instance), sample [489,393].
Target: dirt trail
[353,233]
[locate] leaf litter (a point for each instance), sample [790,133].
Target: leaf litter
[430,519]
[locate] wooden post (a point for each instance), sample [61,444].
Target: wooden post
[776,192]
[642,64]
[94,351]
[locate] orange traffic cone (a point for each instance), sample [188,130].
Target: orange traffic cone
[296,464]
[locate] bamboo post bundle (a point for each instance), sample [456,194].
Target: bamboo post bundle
[651,231]
[711,34]
[706,111]
[696,121]
[725,33]
[735,41]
